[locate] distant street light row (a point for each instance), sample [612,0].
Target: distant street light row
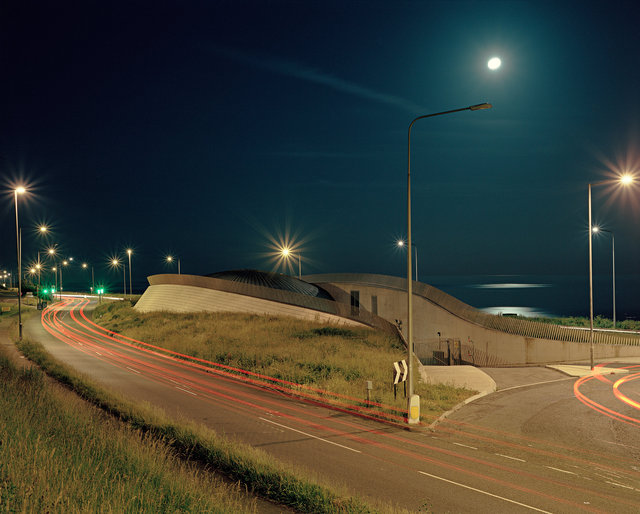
[57,265]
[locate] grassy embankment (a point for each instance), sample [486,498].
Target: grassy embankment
[336,359]
[59,454]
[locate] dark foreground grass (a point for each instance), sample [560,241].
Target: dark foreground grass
[337,359]
[59,454]
[256,470]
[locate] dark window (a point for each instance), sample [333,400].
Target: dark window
[374,305]
[355,303]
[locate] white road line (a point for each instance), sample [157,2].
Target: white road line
[485,492]
[465,446]
[186,391]
[535,384]
[562,470]
[620,444]
[619,485]
[134,370]
[98,353]
[510,457]
[311,435]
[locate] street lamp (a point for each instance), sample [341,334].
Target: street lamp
[400,244]
[286,253]
[170,260]
[115,263]
[596,230]
[93,282]
[625,180]
[129,252]
[413,406]
[19,191]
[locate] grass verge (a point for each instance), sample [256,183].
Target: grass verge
[251,467]
[336,359]
[59,454]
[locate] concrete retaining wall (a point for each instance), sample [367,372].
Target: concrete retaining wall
[435,311]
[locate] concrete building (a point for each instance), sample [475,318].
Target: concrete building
[446,330]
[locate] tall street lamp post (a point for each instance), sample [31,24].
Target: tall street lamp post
[415,254]
[115,263]
[19,191]
[413,406]
[129,252]
[286,253]
[170,260]
[595,230]
[625,180]
[93,282]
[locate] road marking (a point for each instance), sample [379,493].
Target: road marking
[619,485]
[465,446]
[485,492]
[510,457]
[311,435]
[561,470]
[134,370]
[535,384]
[620,444]
[98,353]
[186,391]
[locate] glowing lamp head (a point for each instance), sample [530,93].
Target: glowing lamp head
[400,243]
[43,229]
[115,262]
[20,190]
[84,265]
[169,258]
[286,252]
[626,179]
[494,63]
[595,230]
[129,251]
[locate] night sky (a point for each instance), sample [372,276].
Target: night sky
[209,130]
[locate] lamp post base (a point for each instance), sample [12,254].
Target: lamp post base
[413,409]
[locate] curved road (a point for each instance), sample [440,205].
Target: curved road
[519,450]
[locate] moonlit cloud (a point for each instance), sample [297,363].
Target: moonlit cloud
[315,76]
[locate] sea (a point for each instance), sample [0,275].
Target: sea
[544,295]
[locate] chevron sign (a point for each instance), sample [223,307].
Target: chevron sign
[400,371]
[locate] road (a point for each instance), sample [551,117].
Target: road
[520,450]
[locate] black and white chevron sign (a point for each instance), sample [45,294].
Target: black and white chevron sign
[401,371]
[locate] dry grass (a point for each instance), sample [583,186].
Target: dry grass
[340,360]
[58,454]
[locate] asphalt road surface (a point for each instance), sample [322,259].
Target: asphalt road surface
[563,445]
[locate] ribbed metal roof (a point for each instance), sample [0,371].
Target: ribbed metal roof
[273,281]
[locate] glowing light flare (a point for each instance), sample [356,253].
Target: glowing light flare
[626,179]
[494,63]
[20,190]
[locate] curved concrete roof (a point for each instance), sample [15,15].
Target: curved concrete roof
[273,281]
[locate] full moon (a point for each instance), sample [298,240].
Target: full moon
[494,63]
